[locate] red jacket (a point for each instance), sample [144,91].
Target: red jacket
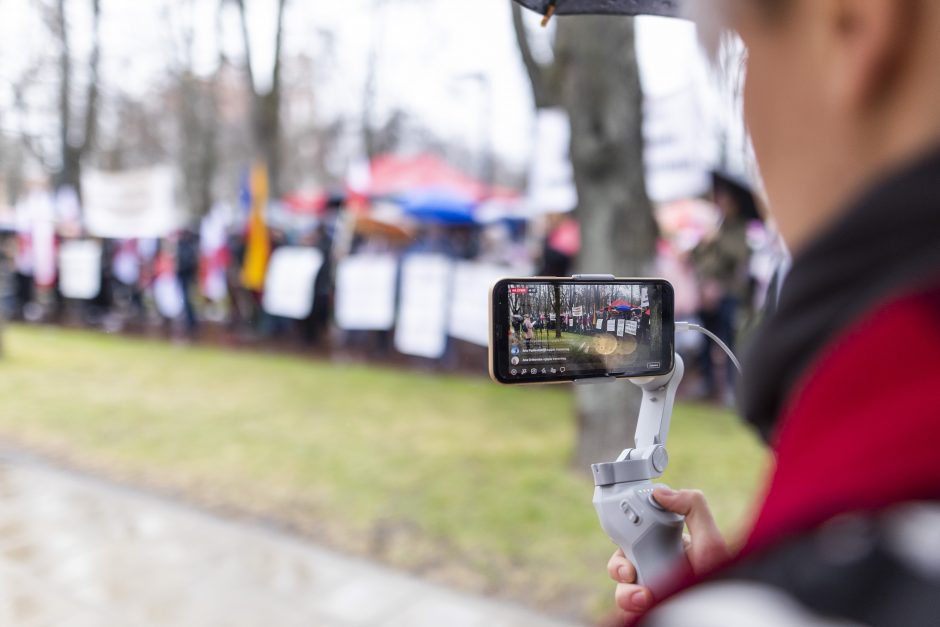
[862,429]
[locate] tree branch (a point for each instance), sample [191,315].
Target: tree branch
[247,40]
[91,104]
[538,74]
[278,47]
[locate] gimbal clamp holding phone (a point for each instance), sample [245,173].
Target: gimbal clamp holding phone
[650,536]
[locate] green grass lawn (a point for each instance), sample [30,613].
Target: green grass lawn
[455,478]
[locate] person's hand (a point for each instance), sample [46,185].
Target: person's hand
[705,549]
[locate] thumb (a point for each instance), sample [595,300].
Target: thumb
[708,549]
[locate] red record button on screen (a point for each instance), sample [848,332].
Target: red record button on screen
[518,290]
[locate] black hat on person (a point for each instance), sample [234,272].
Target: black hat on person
[667,8]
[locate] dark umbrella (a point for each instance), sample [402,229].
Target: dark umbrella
[740,190]
[668,8]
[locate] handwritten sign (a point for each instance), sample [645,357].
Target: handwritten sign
[631,327]
[288,287]
[577,312]
[620,327]
[645,301]
[365,292]
[611,326]
[600,325]
[469,318]
[423,308]
[80,269]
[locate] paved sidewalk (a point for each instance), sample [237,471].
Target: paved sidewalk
[78,552]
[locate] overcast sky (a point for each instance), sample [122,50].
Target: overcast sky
[427,51]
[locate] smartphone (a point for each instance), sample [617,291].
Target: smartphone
[550,330]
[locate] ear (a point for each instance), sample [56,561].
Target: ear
[869,39]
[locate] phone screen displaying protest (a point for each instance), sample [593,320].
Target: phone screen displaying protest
[548,330]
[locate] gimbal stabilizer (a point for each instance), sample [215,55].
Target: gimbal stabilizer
[650,536]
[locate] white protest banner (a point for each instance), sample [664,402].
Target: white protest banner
[365,293]
[551,317]
[551,178]
[131,203]
[422,308]
[631,327]
[577,312]
[611,326]
[600,325]
[620,327]
[288,284]
[645,301]
[469,318]
[80,269]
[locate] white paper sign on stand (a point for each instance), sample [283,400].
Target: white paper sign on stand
[632,326]
[469,311]
[620,327]
[80,269]
[423,307]
[365,293]
[288,284]
[168,295]
[611,326]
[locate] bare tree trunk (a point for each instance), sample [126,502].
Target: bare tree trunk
[595,78]
[198,126]
[71,151]
[266,106]
[602,94]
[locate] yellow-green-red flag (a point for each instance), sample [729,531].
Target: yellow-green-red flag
[258,245]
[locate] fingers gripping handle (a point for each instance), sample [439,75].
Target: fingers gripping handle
[650,536]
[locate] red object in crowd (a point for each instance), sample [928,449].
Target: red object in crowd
[566,237]
[391,175]
[306,204]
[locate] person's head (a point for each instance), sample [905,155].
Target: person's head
[837,93]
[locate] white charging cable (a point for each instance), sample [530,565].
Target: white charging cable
[691,326]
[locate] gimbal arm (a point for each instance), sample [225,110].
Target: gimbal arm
[648,458]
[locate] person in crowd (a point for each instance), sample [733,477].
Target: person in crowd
[560,247]
[315,326]
[722,262]
[528,330]
[187,272]
[841,99]
[7,295]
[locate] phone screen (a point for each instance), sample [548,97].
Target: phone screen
[546,330]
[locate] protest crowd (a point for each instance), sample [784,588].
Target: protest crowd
[401,268]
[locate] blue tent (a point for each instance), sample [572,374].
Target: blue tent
[438,207]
